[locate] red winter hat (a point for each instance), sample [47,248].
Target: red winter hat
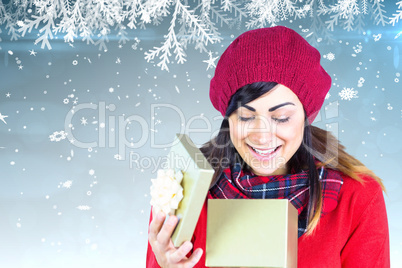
[276,54]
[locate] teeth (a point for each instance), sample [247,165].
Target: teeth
[263,152]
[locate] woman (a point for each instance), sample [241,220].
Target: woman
[269,86]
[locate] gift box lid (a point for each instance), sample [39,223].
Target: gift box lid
[197,176]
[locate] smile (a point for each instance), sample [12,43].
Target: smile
[266,154]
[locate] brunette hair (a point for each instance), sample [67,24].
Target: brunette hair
[317,144]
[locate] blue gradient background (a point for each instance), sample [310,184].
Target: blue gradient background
[41,225]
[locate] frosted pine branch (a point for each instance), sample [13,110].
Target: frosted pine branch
[71,33]
[364,6]
[12,31]
[345,12]
[290,8]
[170,42]
[122,33]
[379,13]
[86,34]
[93,21]
[323,9]
[103,37]
[134,9]
[317,28]
[205,20]
[261,12]
[397,16]
[264,12]
[44,38]
[333,21]
[30,24]
[158,8]
[228,5]
[193,21]
[360,23]
[3,13]
[348,23]
[220,17]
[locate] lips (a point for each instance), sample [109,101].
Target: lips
[264,154]
[264,151]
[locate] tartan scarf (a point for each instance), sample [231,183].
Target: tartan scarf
[235,183]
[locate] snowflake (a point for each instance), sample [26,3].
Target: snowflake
[84,207]
[84,121]
[66,101]
[135,45]
[327,96]
[2,116]
[210,61]
[360,82]
[117,157]
[348,93]
[67,184]
[58,136]
[377,37]
[358,49]
[330,56]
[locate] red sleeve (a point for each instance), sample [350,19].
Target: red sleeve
[200,235]
[368,244]
[151,260]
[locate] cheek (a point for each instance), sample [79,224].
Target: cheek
[292,134]
[236,132]
[233,132]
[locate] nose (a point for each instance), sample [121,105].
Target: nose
[260,133]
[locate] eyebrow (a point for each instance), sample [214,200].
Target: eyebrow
[279,106]
[270,109]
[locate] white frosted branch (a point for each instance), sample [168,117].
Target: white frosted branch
[44,38]
[397,16]
[193,21]
[332,22]
[379,13]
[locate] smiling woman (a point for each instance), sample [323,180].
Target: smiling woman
[269,86]
[267,131]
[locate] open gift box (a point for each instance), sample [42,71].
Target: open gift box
[251,233]
[240,232]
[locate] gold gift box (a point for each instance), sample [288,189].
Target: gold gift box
[251,233]
[197,176]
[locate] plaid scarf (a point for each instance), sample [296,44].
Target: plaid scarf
[235,183]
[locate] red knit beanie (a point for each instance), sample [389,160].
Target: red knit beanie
[276,54]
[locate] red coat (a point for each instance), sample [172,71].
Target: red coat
[355,234]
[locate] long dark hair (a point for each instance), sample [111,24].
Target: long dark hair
[221,153]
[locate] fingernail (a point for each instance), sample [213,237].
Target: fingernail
[187,246]
[199,253]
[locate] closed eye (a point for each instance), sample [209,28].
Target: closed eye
[281,120]
[245,119]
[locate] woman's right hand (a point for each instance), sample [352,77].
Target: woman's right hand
[166,254]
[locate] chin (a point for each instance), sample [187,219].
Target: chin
[268,172]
